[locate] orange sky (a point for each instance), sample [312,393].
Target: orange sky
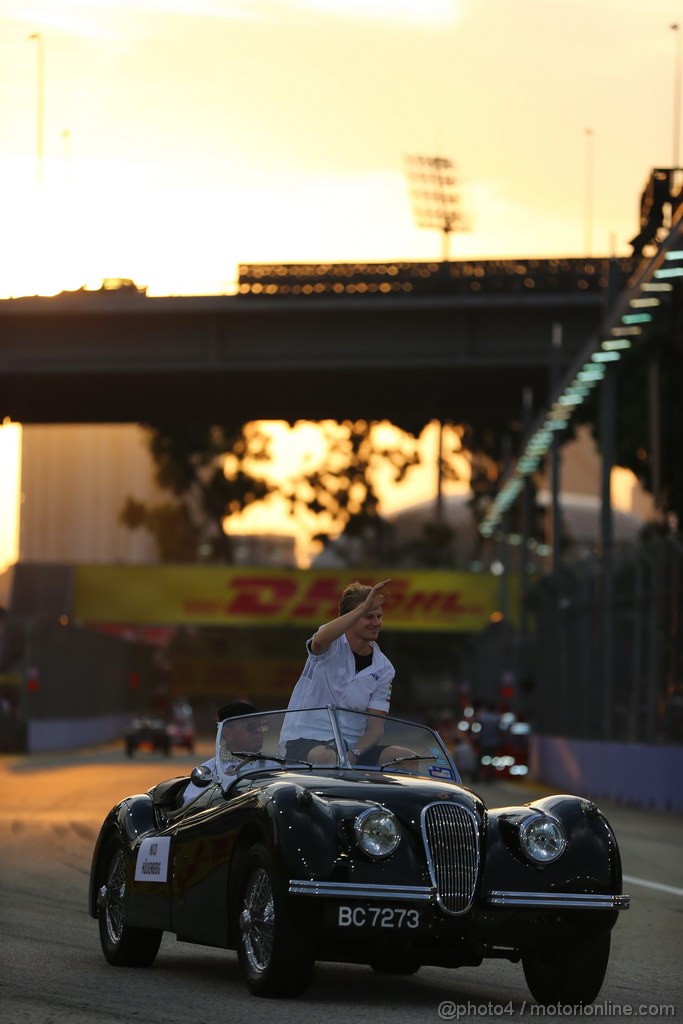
[182,137]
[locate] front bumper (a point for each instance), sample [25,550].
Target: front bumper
[363,890]
[427,894]
[559,900]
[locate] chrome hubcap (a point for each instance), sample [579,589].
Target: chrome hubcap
[257,921]
[111,898]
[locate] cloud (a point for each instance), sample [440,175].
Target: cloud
[413,11]
[101,19]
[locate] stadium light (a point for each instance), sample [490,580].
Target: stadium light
[434,195]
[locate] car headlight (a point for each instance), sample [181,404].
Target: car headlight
[542,838]
[376,832]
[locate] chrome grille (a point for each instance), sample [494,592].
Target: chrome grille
[451,839]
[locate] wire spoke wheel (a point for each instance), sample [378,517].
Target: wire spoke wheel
[113,903]
[257,921]
[122,944]
[275,952]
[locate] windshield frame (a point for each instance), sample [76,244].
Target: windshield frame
[251,763]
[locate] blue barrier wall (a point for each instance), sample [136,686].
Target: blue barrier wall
[630,773]
[49,734]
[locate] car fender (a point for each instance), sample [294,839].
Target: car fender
[590,863]
[299,828]
[131,819]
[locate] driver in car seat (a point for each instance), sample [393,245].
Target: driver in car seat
[245,734]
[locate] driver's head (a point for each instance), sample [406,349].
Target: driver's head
[236,707]
[241,733]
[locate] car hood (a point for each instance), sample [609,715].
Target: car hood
[371,787]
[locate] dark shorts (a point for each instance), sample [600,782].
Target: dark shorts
[300,749]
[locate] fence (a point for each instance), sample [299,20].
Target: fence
[608,650]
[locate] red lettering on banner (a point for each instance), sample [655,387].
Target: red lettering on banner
[260,595]
[434,602]
[396,595]
[316,600]
[321,599]
[454,603]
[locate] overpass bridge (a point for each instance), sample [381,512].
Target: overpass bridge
[404,341]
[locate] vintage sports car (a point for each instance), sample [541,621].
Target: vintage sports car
[395,865]
[157,735]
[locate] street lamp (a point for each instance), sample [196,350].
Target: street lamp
[436,203]
[40,104]
[677,97]
[588,223]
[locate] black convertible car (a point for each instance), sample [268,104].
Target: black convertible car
[395,865]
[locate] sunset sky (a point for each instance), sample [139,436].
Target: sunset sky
[182,137]
[174,139]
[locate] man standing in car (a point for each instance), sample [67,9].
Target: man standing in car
[345,667]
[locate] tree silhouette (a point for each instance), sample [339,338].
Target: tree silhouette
[190,463]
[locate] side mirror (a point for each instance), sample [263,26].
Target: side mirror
[202,775]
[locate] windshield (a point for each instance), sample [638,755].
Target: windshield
[329,737]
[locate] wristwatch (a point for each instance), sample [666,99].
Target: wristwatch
[355,751]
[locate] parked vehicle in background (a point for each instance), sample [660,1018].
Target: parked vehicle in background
[149,734]
[157,736]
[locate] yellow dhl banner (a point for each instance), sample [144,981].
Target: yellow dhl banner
[216,595]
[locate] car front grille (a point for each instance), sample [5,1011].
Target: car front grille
[451,839]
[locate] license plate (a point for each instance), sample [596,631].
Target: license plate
[382,918]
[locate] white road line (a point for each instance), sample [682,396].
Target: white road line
[653,885]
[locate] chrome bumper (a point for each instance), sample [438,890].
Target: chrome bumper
[427,894]
[561,900]
[362,890]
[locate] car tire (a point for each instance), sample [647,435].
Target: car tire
[395,964]
[275,955]
[572,976]
[122,945]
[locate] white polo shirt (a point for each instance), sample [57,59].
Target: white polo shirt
[331,678]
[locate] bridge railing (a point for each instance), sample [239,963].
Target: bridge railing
[462,277]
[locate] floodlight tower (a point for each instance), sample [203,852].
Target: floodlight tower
[436,203]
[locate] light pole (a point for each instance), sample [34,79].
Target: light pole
[40,104]
[677,97]
[588,213]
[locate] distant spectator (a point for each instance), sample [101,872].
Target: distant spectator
[459,745]
[487,738]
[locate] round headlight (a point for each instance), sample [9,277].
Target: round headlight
[377,832]
[542,839]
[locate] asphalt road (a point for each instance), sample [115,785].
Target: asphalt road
[52,970]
